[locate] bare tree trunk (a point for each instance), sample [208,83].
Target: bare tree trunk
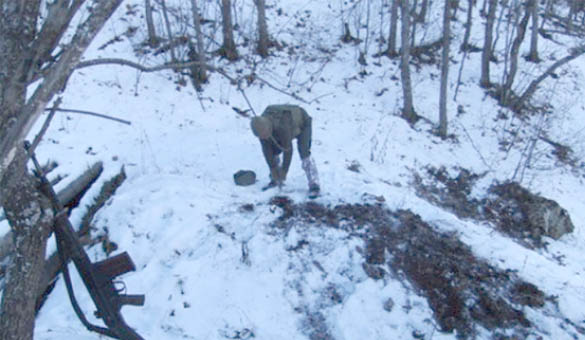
[23,206]
[422,16]
[263,39]
[487,45]
[468,23]
[391,51]
[23,49]
[200,71]
[484,7]
[169,31]
[548,11]
[514,55]
[413,23]
[408,109]
[228,48]
[30,218]
[514,51]
[572,14]
[445,70]
[152,37]
[533,55]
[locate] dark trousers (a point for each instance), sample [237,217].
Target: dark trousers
[304,138]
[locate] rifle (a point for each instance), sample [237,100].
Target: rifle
[98,277]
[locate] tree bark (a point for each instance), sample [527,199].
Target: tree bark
[152,37]
[228,48]
[486,54]
[408,108]
[68,197]
[514,51]
[15,126]
[169,31]
[468,23]
[423,10]
[263,38]
[572,14]
[391,51]
[445,70]
[31,218]
[533,54]
[200,70]
[412,20]
[22,52]
[548,12]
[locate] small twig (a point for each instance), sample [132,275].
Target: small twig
[282,91]
[101,115]
[319,97]
[46,124]
[246,98]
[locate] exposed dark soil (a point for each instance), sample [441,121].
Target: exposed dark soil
[463,290]
[512,209]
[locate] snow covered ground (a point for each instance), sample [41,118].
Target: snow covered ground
[213,270]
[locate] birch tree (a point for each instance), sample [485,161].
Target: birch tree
[29,44]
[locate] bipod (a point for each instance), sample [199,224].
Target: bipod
[98,277]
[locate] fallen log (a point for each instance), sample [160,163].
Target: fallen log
[72,193]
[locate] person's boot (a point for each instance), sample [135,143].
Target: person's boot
[312,176]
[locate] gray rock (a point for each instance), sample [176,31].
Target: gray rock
[538,216]
[549,217]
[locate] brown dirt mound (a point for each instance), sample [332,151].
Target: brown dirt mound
[462,290]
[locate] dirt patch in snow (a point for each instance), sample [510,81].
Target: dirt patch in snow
[464,291]
[512,209]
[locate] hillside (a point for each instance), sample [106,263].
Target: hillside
[374,257]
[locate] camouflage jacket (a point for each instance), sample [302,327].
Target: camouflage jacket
[288,122]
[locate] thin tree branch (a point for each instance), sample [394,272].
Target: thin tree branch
[182,65]
[529,92]
[46,124]
[54,80]
[281,91]
[101,115]
[246,98]
[150,69]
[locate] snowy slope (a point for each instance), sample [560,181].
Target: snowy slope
[212,269]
